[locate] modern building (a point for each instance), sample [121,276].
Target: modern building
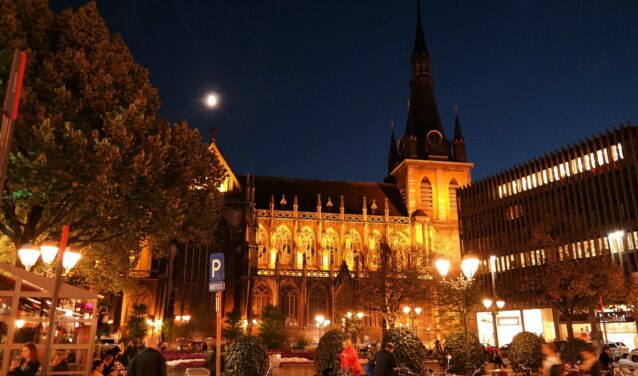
[582,196]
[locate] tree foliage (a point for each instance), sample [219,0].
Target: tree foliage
[393,285]
[574,285]
[136,327]
[247,356]
[271,327]
[525,350]
[90,150]
[454,296]
[329,348]
[570,352]
[409,350]
[455,345]
[233,328]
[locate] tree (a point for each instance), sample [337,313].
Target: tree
[393,285]
[247,356]
[271,327]
[455,345]
[525,350]
[408,349]
[90,151]
[328,349]
[455,296]
[234,328]
[136,326]
[575,285]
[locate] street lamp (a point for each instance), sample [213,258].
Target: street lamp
[469,267]
[67,259]
[495,308]
[321,322]
[412,314]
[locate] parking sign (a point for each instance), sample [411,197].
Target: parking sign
[216,281]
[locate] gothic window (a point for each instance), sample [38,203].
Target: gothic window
[353,250]
[282,243]
[425,193]
[262,296]
[374,249]
[400,245]
[329,243]
[452,187]
[262,247]
[289,303]
[306,241]
[318,301]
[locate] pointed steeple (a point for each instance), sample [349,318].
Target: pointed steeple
[424,122]
[458,135]
[458,142]
[419,39]
[393,153]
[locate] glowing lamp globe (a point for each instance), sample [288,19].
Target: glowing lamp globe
[28,254]
[469,265]
[442,266]
[211,100]
[406,310]
[49,250]
[70,258]
[418,310]
[500,303]
[487,303]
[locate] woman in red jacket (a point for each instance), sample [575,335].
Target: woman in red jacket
[350,359]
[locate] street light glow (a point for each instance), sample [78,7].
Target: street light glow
[442,266]
[469,265]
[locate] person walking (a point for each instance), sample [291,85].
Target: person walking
[589,366]
[149,362]
[129,353]
[28,364]
[605,358]
[498,360]
[385,362]
[552,365]
[349,359]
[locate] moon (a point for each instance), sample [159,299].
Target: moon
[211,100]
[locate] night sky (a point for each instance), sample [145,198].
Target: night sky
[309,87]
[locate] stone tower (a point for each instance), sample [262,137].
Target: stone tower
[426,167]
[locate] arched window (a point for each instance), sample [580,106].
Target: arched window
[425,193]
[306,241]
[262,247]
[289,303]
[329,243]
[353,250]
[262,296]
[282,243]
[452,187]
[318,301]
[400,246]
[374,247]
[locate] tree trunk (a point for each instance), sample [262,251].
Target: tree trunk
[570,329]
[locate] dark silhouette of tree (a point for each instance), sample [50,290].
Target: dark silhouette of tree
[90,151]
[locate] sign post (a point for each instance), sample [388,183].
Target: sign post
[216,284]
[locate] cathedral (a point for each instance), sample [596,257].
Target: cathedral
[298,236]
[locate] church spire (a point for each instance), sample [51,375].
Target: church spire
[393,153]
[419,40]
[458,142]
[423,130]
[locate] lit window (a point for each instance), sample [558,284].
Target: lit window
[620,154]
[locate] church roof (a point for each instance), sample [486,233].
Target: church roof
[307,190]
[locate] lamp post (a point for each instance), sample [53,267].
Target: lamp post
[469,266]
[67,259]
[320,323]
[412,314]
[496,307]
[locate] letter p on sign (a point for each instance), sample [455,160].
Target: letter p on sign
[217,267]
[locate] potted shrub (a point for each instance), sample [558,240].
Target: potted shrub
[408,349]
[525,350]
[455,346]
[247,356]
[570,352]
[329,348]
